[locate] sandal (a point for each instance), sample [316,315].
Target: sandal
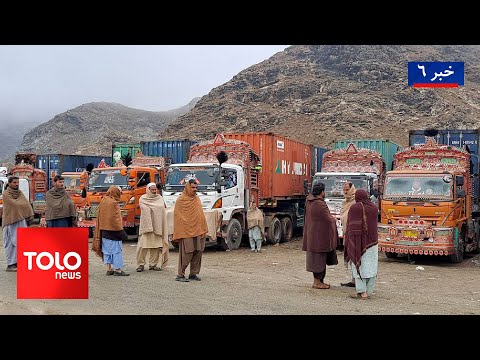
[358,296]
[155,268]
[109,272]
[121,273]
[321,286]
[140,268]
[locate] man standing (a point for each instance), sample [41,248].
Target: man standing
[362,244]
[60,211]
[349,193]
[256,229]
[16,212]
[319,236]
[189,229]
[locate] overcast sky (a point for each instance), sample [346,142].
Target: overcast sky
[38,82]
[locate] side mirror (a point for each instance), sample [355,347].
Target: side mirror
[459,180]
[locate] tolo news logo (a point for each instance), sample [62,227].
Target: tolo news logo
[52,263]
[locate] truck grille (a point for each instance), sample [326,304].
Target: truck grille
[93,211]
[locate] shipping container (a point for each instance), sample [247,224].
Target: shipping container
[119,150]
[386,148]
[286,164]
[59,163]
[173,151]
[457,138]
[319,151]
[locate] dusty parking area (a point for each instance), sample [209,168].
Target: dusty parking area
[271,282]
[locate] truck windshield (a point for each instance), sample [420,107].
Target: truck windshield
[432,187]
[72,184]
[334,183]
[205,176]
[103,179]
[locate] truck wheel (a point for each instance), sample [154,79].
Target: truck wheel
[234,236]
[458,256]
[175,244]
[391,255]
[287,229]
[274,232]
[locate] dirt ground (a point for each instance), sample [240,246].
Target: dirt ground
[271,282]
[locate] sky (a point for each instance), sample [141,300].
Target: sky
[38,81]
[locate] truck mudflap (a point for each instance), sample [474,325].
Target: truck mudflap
[418,241]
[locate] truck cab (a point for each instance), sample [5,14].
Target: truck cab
[75,182]
[334,189]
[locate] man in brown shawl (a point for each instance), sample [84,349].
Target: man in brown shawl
[109,232]
[362,244]
[349,193]
[16,212]
[60,211]
[256,229]
[189,229]
[153,232]
[319,236]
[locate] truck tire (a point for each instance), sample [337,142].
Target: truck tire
[175,244]
[234,236]
[287,229]
[274,232]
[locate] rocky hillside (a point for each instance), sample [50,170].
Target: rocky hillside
[90,129]
[320,94]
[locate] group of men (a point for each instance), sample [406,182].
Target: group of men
[359,222]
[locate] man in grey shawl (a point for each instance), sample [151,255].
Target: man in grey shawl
[16,212]
[153,232]
[60,210]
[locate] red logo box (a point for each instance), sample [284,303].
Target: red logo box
[52,263]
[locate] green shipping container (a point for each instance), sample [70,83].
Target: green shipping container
[119,150]
[386,148]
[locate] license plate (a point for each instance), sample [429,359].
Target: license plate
[410,233]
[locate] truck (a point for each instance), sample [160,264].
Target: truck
[465,139]
[364,168]
[385,147]
[133,180]
[37,181]
[173,151]
[23,186]
[271,169]
[75,183]
[56,164]
[427,206]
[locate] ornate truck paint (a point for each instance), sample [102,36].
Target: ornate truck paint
[427,203]
[365,168]
[132,180]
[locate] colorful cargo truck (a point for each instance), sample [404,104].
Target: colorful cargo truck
[132,180]
[364,168]
[427,203]
[271,169]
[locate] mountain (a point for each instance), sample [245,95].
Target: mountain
[11,136]
[90,129]
[319,94]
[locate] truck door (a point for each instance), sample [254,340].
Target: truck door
[231,196]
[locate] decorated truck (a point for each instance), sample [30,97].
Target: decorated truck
[132,179]
[364,168]
[427,203]
[272,170]
[37,181]
[75,183]
[23,186]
